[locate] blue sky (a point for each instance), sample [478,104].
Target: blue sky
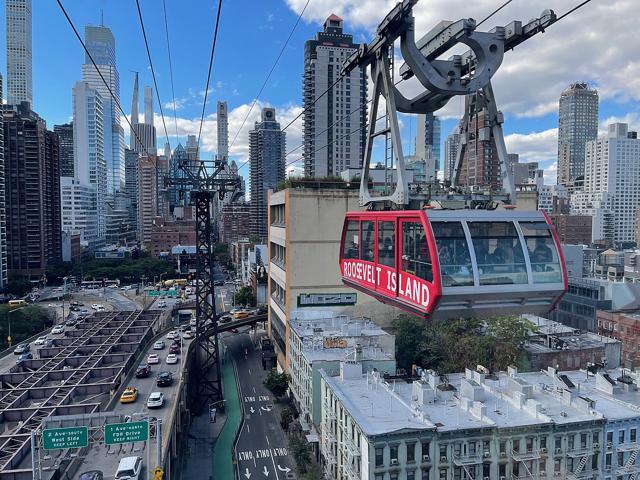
[252,33]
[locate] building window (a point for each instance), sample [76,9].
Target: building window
[621,436]
[411,452]
[393,453]
[379,456]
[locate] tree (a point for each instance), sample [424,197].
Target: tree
[277,383]
[410,333]
[25,322]
[301,452]
[286,417]
[18,285]
[510,334]
[245,297]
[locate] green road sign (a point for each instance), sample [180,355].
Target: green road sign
[57,438]
[117,433]
[157,293]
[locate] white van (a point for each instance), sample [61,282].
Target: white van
[129,468]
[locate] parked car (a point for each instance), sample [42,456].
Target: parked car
[24,357]
[143,371]
[22,348]
[172,359]
[129,395]
[159,345]
[129,468]
[156,399]
[57,329]
[40,340]
[164,379]
[92,475]
[174,348]
[153,359]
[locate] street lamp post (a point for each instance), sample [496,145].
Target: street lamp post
[64,294]
[9,312]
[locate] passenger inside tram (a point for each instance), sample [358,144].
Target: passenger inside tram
[453,252]
[498,253]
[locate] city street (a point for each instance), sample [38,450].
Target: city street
[261,450]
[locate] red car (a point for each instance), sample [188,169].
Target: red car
[175,348]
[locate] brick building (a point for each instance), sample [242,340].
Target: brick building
[572,229]
[235,221]
[626,328]
[167,234]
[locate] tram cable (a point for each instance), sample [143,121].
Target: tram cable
[173,93]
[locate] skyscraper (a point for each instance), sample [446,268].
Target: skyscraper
[3,224]
[577,125]
[267,144]
[143,135]
[89,146]
[32,196]
[102,45]
[612,167]
[427,143]
[334,133]
[65,134]
[192,150]
[450,150]
[223,130]
[19,79]
[480,166]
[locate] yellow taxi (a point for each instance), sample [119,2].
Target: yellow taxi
[238,314]
[129,395]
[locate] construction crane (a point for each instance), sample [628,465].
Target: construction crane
[203,183]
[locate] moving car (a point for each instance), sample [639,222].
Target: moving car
[143,371]
[129,395]
[225,318]
[187,335]
[164,379]
[159,345]
[153,359]
[57,329]
[73,308]
[192,322]
[92,475]
[174,348]
[40,340]
[95,306]
[22,348]
[129,468]
[162,304]
[240,314]
[156,399]
[24,357]
[70,323]
[172,334]
[172,359]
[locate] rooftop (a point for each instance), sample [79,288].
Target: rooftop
[477,400]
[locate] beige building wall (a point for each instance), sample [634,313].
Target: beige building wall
[307,224]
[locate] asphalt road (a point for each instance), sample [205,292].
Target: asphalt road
[98,457]
[261,450]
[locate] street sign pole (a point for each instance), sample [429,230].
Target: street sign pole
[150,474]
[33,455]
[159,442]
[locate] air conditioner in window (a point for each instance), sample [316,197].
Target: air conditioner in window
[503,478]
[609,444]
[543,450]
[394,461]
[543,474]
[443,458]
[425,458]
[596,445]
[487,478]
[486,454]
[558,451]
[503,454]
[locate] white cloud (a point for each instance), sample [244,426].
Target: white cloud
[632,119]
[597,43]
[535,146]
[176,105]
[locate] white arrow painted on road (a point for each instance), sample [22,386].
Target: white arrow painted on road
[266,409]
[251,410]
[247,473]
[265,471]
[285,469]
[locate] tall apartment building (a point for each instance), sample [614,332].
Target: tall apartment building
[577,125]
[3,219]
[612,168]
[222,120]
[267,146]
[334,134]
[451,145]
[19,52]
[102,45]
[79,211]
[545,424]
[147,198]
[235,222]
[572,229]
[480,166]
[65,134]
[191,149]
[305,226]
[131,158]
[143,135]
[32,194]
[427,142]
[89,145]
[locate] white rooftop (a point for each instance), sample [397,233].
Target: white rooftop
[477,400]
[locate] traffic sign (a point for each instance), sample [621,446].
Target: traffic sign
[117,433]
[72,437]
[157,293]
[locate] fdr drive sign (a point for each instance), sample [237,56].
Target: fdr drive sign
[117,433]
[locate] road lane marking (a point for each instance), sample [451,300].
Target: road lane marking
[267,440]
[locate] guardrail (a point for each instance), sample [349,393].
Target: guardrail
[236,474]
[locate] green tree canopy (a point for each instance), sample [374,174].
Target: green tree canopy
[245,297]
[277,383]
